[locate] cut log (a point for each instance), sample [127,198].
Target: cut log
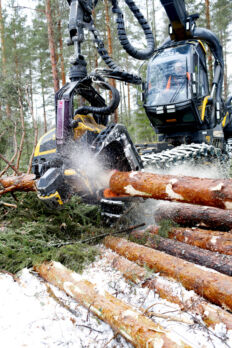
[194,215]
[206,239]
[209,192]
[24,182]
[214,286]
[126,320]
[172,291]
[219,262]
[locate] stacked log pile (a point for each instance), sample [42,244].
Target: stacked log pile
[202,207]
[197,255]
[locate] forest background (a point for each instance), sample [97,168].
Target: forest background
[34,64]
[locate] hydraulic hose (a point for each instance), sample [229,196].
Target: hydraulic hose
[215,47]
[105,110]
[131,50]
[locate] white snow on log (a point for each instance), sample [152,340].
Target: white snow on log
[133,192]
[218,187]
[214,239]
[228,205]
[171,194]
[133,174]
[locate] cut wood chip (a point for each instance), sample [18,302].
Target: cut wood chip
[209,192]
[172,291]
[126,320]
[194,215]
[214,286]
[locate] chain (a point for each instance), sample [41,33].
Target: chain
[193,154]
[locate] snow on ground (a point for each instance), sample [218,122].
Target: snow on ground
[36,314]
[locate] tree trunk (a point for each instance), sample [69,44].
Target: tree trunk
[206,239]
[210,192]
[10,163]
[124,319]
[167,289]
[23,128]
[43,97]
[24,182]
[214,286]
[52,47]
[62,68]
[3,55]
[194,215]
[34,122]
[221,263]
[154,22]
[110,51]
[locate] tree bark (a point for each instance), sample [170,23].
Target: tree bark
[43,96]
[214,286]
[191,253]
[62,68]
[10,162]
[206,239]
[3,55]
[210,192]
[167,289]
[23,128]
[52,47]
[194,215]
[126,320]
[24,182]
[34,122]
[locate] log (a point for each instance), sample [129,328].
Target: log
[214,286]
[194,215]
[211,240]
[219,262]
[24,182]
[135,327]
[209,192]
[172,291]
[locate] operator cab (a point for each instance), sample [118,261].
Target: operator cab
[177,85]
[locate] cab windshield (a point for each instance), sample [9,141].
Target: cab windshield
[168,77]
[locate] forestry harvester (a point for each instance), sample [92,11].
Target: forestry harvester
[178,105]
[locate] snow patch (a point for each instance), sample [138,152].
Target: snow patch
[214,239]
[206,269]
[157,342]
[218,187]
[67,289]
[228,204]
[133,174]
[30,317]
[133,192]
[171,194]
[130,313]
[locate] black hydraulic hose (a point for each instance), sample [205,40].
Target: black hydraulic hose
[105,110]
[215,47]
[229,102]
[132,51]
[118,72]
